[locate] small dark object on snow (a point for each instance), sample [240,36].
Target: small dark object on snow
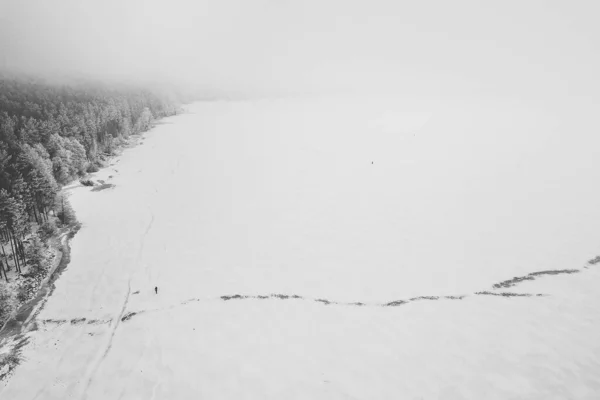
[595,260]
[102,187]
[156,289]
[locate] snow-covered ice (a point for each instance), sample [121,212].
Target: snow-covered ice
[345,200]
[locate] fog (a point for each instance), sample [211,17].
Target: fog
[530,49]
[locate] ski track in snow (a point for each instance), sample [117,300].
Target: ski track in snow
[97,283]
[156,385]
[144,240]
[114,324]
[101,355]
[146,232]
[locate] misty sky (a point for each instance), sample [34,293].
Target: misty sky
[528,47]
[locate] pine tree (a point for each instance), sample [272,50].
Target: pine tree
[78,160]
[34,164]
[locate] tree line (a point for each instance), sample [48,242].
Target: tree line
[50,135]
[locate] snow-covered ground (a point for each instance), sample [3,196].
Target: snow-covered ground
[343,201]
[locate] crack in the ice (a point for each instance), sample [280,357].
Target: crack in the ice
[394,303]
[127,316]
[504,284]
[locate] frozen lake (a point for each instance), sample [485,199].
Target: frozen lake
[346,201]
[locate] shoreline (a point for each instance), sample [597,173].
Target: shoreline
[25,313]
[23,319]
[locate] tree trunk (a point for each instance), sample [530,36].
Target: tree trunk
[6,258]
[35,215]
[22,251]
[3,270]
[14,253]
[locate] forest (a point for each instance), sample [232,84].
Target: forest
[50,135]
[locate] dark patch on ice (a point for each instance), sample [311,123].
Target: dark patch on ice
[395,303]
[283,296]
[325,301]
[513,281]
[594,260]
[75,321]
[261,297]
[425,298]
[234,297]
[532,276]
[555,272]
[103,187]
[136,292]
[504,294]
[455,297]
[54,321]
[130,315]
[98,321]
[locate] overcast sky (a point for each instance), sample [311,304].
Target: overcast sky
[284,46]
